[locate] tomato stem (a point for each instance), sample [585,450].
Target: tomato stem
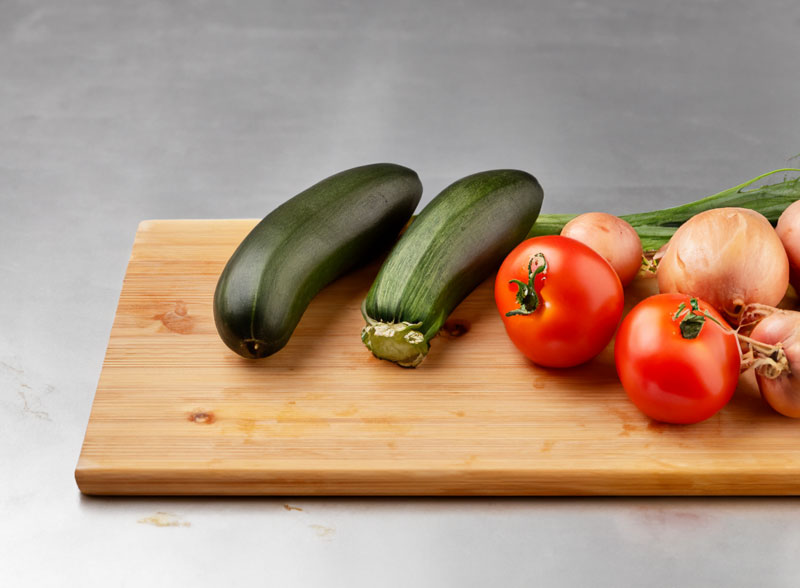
[769,361]
[693,319]
[527,298]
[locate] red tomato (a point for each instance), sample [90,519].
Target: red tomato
[573,307]
[671,378]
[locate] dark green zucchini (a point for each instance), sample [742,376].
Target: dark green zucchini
[455,243]
[304,244]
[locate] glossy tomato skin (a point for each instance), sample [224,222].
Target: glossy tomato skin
[669,378]
[581,301]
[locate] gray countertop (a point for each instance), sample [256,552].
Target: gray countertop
[111,113]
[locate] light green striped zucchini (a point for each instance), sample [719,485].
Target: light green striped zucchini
[455,243]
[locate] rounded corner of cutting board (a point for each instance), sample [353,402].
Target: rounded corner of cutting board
[83,479]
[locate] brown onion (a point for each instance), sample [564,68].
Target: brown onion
[780,387]
[610,236]
[788,230]
[729,257]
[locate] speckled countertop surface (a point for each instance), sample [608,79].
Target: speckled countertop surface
[115,112]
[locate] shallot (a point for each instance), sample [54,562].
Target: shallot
[777,369]
[610,236]
[788,230]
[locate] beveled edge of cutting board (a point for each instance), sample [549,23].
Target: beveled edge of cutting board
[404,481]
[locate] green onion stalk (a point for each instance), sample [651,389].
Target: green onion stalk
[657,227]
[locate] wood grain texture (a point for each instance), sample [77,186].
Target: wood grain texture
[176,412]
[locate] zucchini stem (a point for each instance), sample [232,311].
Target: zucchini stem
[400,342]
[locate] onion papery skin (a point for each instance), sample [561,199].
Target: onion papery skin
[788,230]
[730,257]
[612,237]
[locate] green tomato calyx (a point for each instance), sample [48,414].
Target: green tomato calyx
[527,298]
[693,319]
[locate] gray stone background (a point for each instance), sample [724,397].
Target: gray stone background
[114,112]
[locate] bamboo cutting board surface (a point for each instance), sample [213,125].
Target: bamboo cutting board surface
[176,412]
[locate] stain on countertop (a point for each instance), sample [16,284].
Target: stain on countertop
[28,404]
[30,398]
[164,519]
[324,532]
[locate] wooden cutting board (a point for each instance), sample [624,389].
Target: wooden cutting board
[176,412]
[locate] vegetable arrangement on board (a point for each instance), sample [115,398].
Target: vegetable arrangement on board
[720,266]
